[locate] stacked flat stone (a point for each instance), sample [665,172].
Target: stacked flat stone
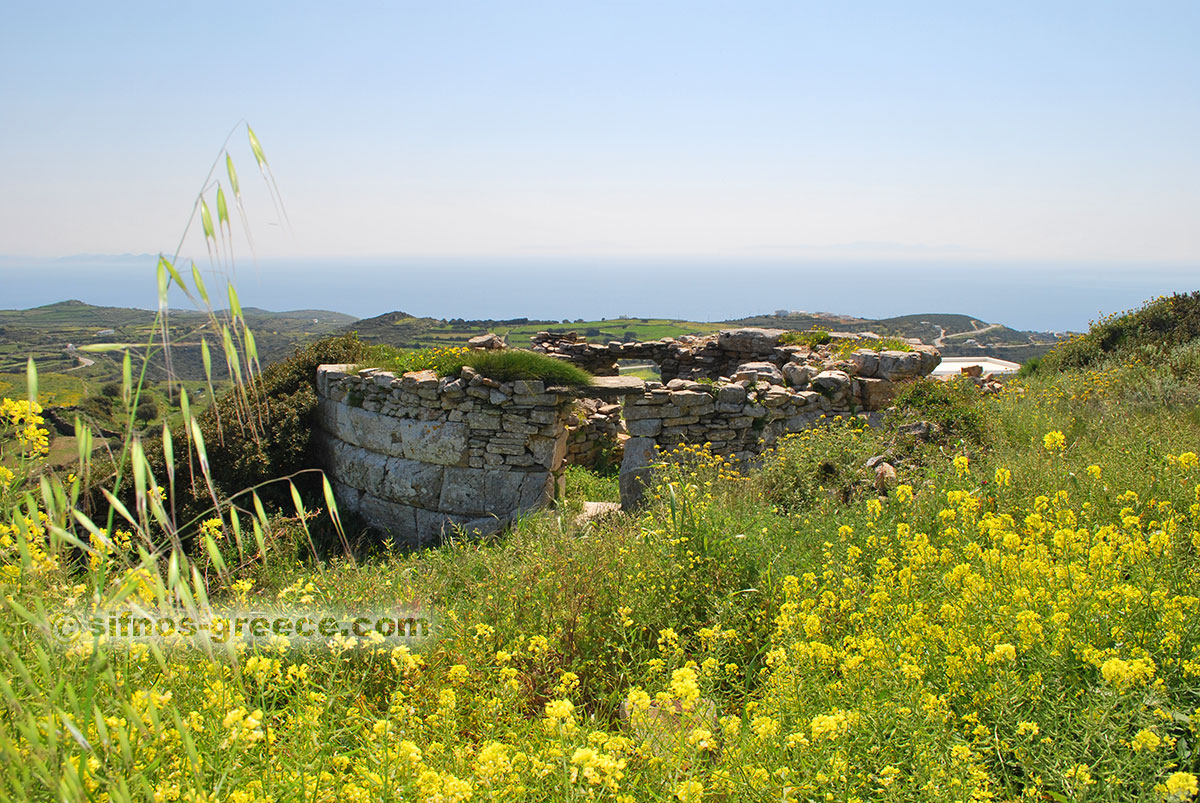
[724,353]
[593,433]
[416,454]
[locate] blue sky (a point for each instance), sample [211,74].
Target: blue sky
[935,131]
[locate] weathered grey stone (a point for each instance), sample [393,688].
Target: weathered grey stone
[548,452]
[895,365]
[500,447]
[535,400]
[644,428]
[537,489]
[749,340]
[440,442]
[637,413]
[865,361]
[392,518]
[796,375]
[364,428]
[640,454]
[355,466]
[463,490]
[411,482]
[488,341]
[731,394]
[528,387]
[876,393]
[420,379]
[930,358]
[802,421]
[760,371]
[483,420]
[832,383]
[685,399]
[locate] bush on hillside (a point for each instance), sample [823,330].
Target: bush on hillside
[1163,323]
[283,409]
[954,406]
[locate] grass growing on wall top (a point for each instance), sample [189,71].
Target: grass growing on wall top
[844,348]
[812,338]
[505,366]
[513,364]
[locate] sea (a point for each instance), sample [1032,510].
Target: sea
[1027,295]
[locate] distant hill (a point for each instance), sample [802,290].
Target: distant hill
[45,333]
[954,334]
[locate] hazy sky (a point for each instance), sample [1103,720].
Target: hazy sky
[1016,130]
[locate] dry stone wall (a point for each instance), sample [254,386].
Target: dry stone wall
[594,428]
[416,455]
[722,354]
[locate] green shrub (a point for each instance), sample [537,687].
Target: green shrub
[283,408]
[844,348]
[954,406]
[1166,322]
[445,361]
[812,338]
[829,460]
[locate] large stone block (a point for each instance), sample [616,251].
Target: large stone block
[832,383]
[895,365]
[548,452]
[497,492]
[412,482]
[355,466]
[640,454]
[644,428]
[361,427]
[440,442]
[537,489]
[876,393]
[392,518]
[731,394]
[866,362]
[464,489]
[749,340]
[796,375]
[760,372]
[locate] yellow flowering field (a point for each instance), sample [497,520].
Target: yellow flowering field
[1015,617]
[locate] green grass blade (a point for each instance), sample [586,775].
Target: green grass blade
[206,221]
[235,306]
[127,379]
[31,380]
[200,288]
[161,277]
[255,146]
[206,358]
[233,179]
